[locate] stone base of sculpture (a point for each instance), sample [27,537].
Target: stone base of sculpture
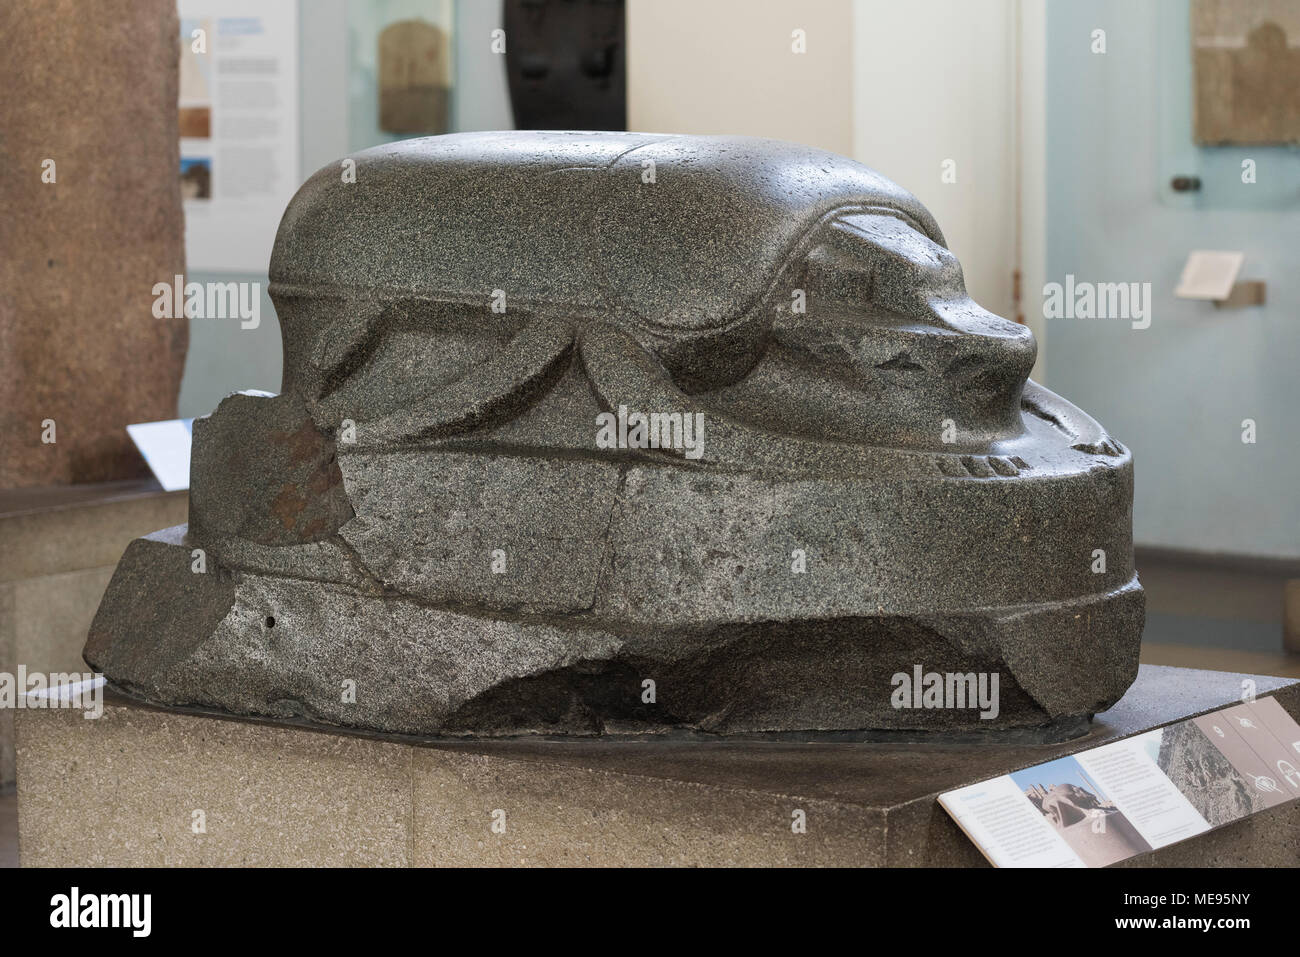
[620,626]
[108,793]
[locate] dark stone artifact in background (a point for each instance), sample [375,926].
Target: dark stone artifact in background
[90,220]
[566,64]
[452,520]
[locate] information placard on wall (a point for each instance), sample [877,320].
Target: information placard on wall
[1112,802]
[238,128]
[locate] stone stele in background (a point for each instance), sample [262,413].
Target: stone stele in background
[447,523]
[1246,63]
[414,78]
[90,220]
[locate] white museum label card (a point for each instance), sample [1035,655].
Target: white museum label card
[1007,828]
[166,448]
[1209,274]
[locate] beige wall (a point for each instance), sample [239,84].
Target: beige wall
[900,87]
[933,80]
[726,66]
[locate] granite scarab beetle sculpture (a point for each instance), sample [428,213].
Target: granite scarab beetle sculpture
[604,432]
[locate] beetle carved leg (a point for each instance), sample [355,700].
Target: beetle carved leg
[499,389]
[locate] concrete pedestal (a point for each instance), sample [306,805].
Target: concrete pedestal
[61,544]
[147,787]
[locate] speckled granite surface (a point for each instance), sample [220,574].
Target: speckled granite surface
[425,532]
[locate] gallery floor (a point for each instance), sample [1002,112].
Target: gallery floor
[1218,659]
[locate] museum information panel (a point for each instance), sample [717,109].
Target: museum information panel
[1138,794]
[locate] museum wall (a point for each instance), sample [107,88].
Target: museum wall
[1178,391]
[733,70]
[876,99]
[911,118]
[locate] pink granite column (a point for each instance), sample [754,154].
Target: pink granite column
[92,87]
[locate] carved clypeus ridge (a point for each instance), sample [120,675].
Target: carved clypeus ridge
[424,509]
[981,466]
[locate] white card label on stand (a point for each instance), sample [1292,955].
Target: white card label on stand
[1209,274]
[166,447]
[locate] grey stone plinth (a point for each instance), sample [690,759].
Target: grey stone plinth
[123,790]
